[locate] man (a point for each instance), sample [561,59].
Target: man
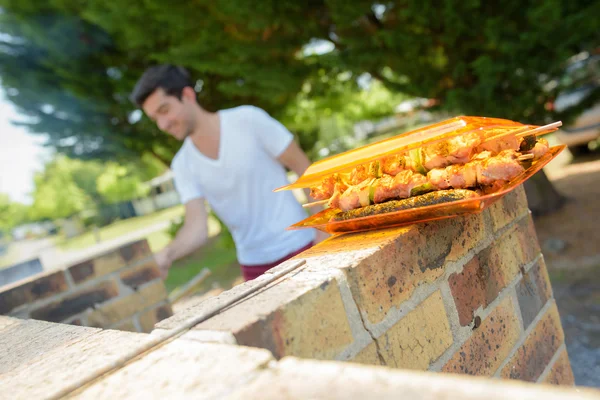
[233,159]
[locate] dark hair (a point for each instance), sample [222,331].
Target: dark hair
[171,78]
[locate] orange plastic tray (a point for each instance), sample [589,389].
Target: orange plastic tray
[423,214]
[404,142]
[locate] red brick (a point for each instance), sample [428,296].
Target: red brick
[561,373]
[135,251]
[505,210]
[82,271]
[469,290]
[98,266]
[150,317]
[419,338]
[527,238]
[533,291]
[303,315]
[77,302]
[539,347]
[489,345]
[37,288]
[410,257]
[486,275]
[110,261]
[137,276]
[116,310]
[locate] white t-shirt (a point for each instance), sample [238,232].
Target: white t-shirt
[239,185]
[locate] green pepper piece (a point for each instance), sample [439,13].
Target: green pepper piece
[415,156]
[422,189]
[375,169]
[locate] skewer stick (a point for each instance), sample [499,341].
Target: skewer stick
[315,203]
[525,157]
[553,126]
[526,131]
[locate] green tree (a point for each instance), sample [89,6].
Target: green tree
[71,64]
[118,183]
[57,193]
[11,213]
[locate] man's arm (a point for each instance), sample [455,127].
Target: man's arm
[190,237]
[294,158]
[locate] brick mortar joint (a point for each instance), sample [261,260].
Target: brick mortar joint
[459,333]
[136,323]
[69,279]
[395,314]
[82,287]
[506,292]
[553,361]
[458,265]
[464,333]
[517,307]
[524,335]
[421,292]
[343,282]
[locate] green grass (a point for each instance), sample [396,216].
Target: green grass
[120,228]
[218,256]
[8,257]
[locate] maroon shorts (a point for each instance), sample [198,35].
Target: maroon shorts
[254,271]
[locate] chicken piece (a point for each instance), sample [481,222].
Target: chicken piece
[495,146]
[462,147]
[484,170]
[327,186]
[405,182]
[358,174]
[439,178]
[384,189]
[456,150]
[462,176]
[484,155]
[502,167]
[541,147]
[334,201]
[399,186]
[355,196]
[324,190]
[394,164]
[435,155]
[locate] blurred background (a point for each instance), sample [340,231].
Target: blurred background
[82,171]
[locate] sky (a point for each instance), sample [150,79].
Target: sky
[21,155]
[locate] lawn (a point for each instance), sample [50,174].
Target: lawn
[120,228]
[126,226]
[8,255]
[217,255]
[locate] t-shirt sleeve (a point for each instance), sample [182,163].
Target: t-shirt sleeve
[272,134]
[185,185]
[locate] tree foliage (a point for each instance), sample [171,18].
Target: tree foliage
[68,186]
[69,65]
[11,214]
[117,184]
[57,194]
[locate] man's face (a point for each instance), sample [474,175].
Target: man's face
[173,116]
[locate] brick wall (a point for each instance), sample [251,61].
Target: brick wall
[41,360]
[120,289]
[468,295]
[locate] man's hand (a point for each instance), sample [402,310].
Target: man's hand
[164,262]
